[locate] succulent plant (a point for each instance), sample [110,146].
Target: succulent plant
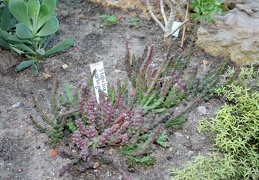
[130,119]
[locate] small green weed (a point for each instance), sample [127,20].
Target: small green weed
[108,20]
[203,9]
[235,133]
[134,21]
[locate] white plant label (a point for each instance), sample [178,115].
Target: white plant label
[175,25]
[99,79]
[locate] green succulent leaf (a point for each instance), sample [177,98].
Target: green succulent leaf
[204,9]
[104,16]
[34,69]
[4,43]
[112,19]
[33,9]
[218,2]
[71,127]
[25,64]
[145,160]
[25,48]
[44,10]
[5,19]
[65,44]
[14,39]
[19,10]
[41,51]
[134,20]
[50,27]
[23,32]
[4,34]
[206,18]
[51,5]
[195,17]
[68,93]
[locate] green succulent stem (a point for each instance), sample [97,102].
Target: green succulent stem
[53,96]
[44,116]
[153,83]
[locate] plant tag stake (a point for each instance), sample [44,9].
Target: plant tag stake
[99,79]
[175,25]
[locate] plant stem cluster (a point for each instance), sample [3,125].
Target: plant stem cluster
[133,120]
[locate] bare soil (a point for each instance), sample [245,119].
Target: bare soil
[24,153]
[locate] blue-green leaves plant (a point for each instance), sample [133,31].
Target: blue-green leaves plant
[35,22]
[203,10]
[108,20]
[134,21]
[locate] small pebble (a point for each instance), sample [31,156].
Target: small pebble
[16,105]
[177,134]
[169,158]
[202,110]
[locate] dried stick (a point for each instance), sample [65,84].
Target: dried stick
[184,28]
[162,9]
[68,112]
[178,27]
[167,27]
[154,17]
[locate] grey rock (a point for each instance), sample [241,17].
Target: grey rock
[202,110]
[232,3]
[237,36]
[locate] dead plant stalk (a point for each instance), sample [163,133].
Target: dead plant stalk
[167,26]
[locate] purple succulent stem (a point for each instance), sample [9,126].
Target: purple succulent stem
[137,125]
[82,99]
[181,85]
[118,100]
[149,74]
[168,82]
[123,127]
[98,119]
[76,138]
[107,134]
[90,118]
[120,118]
[107,112]
[138,120]
[80,126]
[124,139]
[64,169]
[91,132]
[83,154]
[147,61]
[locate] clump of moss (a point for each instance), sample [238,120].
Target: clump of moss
[235,132]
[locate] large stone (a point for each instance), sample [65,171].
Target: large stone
[237,36]
[232,3]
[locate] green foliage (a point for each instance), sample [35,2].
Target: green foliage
[33,24]
[211,167]
[203,10]
[134,21]
[235,133]
[108,20]
[143,160]
[162,88]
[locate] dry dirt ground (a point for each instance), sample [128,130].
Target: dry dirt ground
[24,153]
